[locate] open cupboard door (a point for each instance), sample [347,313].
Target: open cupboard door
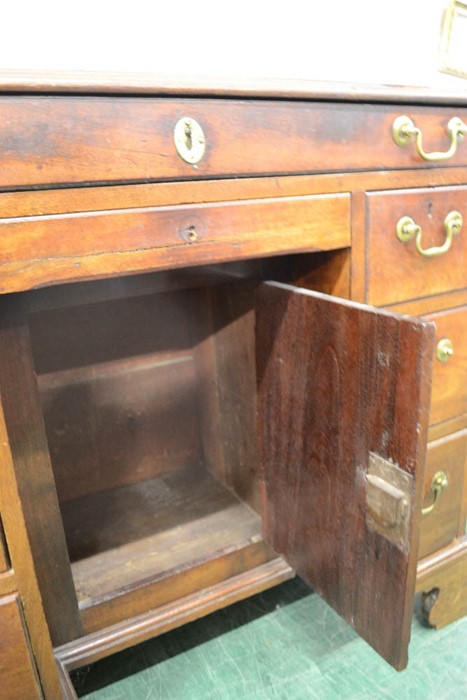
[344,394]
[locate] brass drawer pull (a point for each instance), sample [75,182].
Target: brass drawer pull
[406,229]
[444,350]
[438,484]
[404,129]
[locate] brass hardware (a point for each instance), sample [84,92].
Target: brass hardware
[438,484]
[406,229]
[404,130]
[444,350]
[189,140]
[388,490]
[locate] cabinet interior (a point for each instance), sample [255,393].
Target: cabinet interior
[149,402]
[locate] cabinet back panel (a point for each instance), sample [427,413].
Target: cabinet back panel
[119,391]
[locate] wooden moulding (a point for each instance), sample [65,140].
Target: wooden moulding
[135,196]
[97,645]
[66,685]
[114,82]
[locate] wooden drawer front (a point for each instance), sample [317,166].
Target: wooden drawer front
[449,390]
[45,140]
[44,249]
[443,524]
[18,680]
[396,271]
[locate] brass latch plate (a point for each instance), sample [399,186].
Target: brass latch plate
[388,490]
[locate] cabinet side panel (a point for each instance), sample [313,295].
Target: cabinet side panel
[27,473]
[18,678]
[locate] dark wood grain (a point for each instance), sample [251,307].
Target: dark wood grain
[337,380]
[33,473]
[135,196]
[18,676]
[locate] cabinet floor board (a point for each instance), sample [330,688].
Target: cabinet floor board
[119,539]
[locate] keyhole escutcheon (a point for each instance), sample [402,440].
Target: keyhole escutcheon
[189,140]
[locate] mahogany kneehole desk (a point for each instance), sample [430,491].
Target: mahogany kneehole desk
[232,321]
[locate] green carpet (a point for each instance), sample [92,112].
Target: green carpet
[285,644]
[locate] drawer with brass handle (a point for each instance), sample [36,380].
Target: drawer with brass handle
[417,243]
[67,140]
[442,506]
[404,131]
[449,388]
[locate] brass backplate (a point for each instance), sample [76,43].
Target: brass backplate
[189,140]
[388,490]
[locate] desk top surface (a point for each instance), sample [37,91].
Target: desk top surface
[84,83]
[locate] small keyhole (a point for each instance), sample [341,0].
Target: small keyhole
[188,136]
[190,234]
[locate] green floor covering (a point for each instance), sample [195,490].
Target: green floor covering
[284,644]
